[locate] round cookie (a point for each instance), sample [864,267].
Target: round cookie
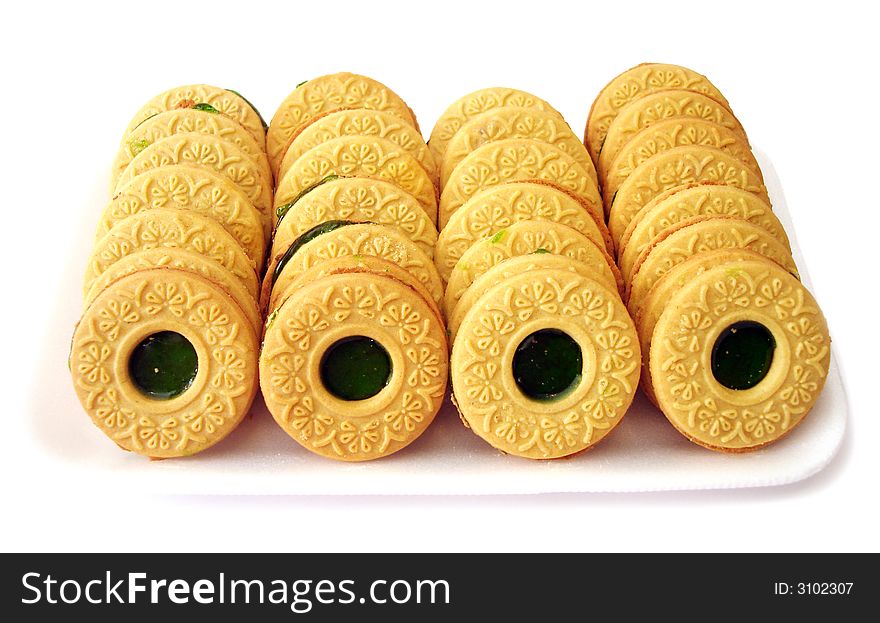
[325,354]
[360,122]
[170,229]
[476,103]
[739,356]
[229,102]
[670,134]
[202,120]
[676,167]
[508,268]
[523,238]
[179,260]
[198,190]
[354,199]
[498,207]
[349,265]
[345,239]
[510,160]
[701,233]
[511,122]
[209,152]
[165,363]
[359,156]
[324,94]
[633,84]
[684,203]
[545,364]
[660,293]
[662,106]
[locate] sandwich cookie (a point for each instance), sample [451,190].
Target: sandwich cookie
[164,362]
[354,366]
[545,364]
[739,356]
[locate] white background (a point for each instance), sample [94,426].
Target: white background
[802,78]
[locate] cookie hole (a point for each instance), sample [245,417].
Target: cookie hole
[355,368]
[163,365]
[547,364]
[742,355]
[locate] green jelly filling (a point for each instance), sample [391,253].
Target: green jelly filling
[163,365]
[280,211]
[254,108]
[314,232]
[355,368]
[742,355]
[206,108]
[547,364]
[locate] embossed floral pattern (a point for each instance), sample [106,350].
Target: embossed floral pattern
[683,381]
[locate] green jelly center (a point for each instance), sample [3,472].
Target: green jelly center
[547,364]
[742,355]
[355,368]
[163,365]
[206,108]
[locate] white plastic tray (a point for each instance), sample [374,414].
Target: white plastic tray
[644,453]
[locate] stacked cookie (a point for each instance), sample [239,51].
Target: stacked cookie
[354,358]
[545,358]
[164,356]
[735,349]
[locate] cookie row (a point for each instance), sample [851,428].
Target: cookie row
[354,357]
[735,349]
[545,357]
[164,357]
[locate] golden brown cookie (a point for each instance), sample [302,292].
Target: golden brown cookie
[633,84]
[676,167]
[512,160]
[498,207]
[344,239]
[670,134]
[208,152]
[739,356]
[523,238]
[349,265]
[512,122]
[360,122]
[545,364]
[661,106]
[359,156]
[229,102]
[684,203]
[189,188]
[202,120]
[655,300]
[476,103]
[511,267]
[701,233]
[354,199]
[179,259]
[354,369]
[164,362]
[324,94]
[170,229]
